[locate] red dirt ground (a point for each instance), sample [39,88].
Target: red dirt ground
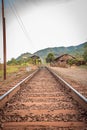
[14,78]
[75,76]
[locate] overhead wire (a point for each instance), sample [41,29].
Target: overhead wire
[20,22]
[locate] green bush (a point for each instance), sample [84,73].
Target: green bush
[50,58]
[72,62]
[85,53]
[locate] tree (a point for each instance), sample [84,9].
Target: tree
[50,58]
[85,53]
[72,62]
[12,62]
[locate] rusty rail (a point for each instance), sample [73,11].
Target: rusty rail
[7,96]
[75,94]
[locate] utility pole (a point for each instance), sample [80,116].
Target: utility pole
[4,39]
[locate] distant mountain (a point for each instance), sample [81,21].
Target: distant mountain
[73,50]
[24,56]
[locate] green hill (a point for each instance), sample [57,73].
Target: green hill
[73,50]
[24,56]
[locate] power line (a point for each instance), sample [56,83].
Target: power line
[21,24]
[18,19]
[21,20]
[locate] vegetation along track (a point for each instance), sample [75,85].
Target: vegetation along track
[43,104]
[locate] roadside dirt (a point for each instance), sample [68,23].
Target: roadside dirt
[75,76]
[13,79]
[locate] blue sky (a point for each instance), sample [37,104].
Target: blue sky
[32,25]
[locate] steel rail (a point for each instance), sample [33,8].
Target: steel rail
[5,97]
[75,94]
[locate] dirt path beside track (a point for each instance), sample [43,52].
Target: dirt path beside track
[75,76]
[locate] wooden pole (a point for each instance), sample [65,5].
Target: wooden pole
[4,39]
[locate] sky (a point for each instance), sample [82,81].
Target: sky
[32,25]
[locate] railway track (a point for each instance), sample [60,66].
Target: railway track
[79,85]
[44,103]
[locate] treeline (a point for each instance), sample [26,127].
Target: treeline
[79,60]
[25,61]
[85,53]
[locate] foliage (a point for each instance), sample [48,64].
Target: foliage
[24,56]
[57,51]
[77,62]
[12,69]
[38,61]
[85,53]
[23,61]
[9,69]
[76,51]
[19,62]
[12,62]
[50,58]
[72,61]
[1,70]
[78,56]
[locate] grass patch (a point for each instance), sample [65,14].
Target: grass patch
[10,70]
[1,73]
[1,70]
